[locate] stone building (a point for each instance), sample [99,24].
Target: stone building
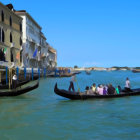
[10,36]
[52,57]
[31,40]
[43,63]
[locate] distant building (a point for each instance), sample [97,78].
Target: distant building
[31,40]
[21,41]
[52,57]
[99,68]
[10,36]
[43,55]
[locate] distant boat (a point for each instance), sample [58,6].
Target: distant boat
[88,72]
[136,70]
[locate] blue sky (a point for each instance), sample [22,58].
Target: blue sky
[89,32]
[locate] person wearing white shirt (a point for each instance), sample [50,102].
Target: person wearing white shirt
[127,85]
[14,81]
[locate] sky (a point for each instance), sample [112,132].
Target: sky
[102,33]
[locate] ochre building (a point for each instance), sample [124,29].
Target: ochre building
[10,36]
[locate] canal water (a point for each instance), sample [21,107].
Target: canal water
[42,115]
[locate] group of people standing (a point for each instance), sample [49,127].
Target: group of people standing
[102,89]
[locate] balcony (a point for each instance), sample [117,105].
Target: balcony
[31,56]
[12,45]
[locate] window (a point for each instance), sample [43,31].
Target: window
[20,56]
[20,40]
[3,36]
[0,34]
[2,16]
[11,38]
[20,27]
[12,58]
[10,21]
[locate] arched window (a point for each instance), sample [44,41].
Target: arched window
[11,53]
[3,36]
[20,27]
[20,40]
[11,38]
[21,56]
[2,16]
[0,35]
[10,21]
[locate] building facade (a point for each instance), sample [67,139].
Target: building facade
[44,53]
[31,40]
[10,36]
[52,57]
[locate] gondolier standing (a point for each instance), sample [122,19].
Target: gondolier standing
[14,81]
[127,85]
[73,79]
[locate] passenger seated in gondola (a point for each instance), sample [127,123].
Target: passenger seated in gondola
[90,91]
[100,90]
[97,91]
[104,91]
[94,87]
[87,90]
[118,90]
[106,87]
[111,89]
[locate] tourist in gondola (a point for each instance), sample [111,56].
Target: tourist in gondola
[118,90]
[111,89]
[94,87]
[90,91]
[97,91]
[73,79]
[104,90]
[87,90]
[100,90]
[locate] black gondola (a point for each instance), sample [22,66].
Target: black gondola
[16,92]
[88,72]
[80,95]
[18,84]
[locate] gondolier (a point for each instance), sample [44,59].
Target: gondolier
[73,79]
[127,85]
[14,81]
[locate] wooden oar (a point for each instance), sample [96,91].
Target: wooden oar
[77,85]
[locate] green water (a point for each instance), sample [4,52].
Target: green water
[42,115]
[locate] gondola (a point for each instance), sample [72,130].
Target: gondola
[88,72]
[18,84]
[80,95]
[16,92]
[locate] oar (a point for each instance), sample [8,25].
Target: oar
[77,85]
